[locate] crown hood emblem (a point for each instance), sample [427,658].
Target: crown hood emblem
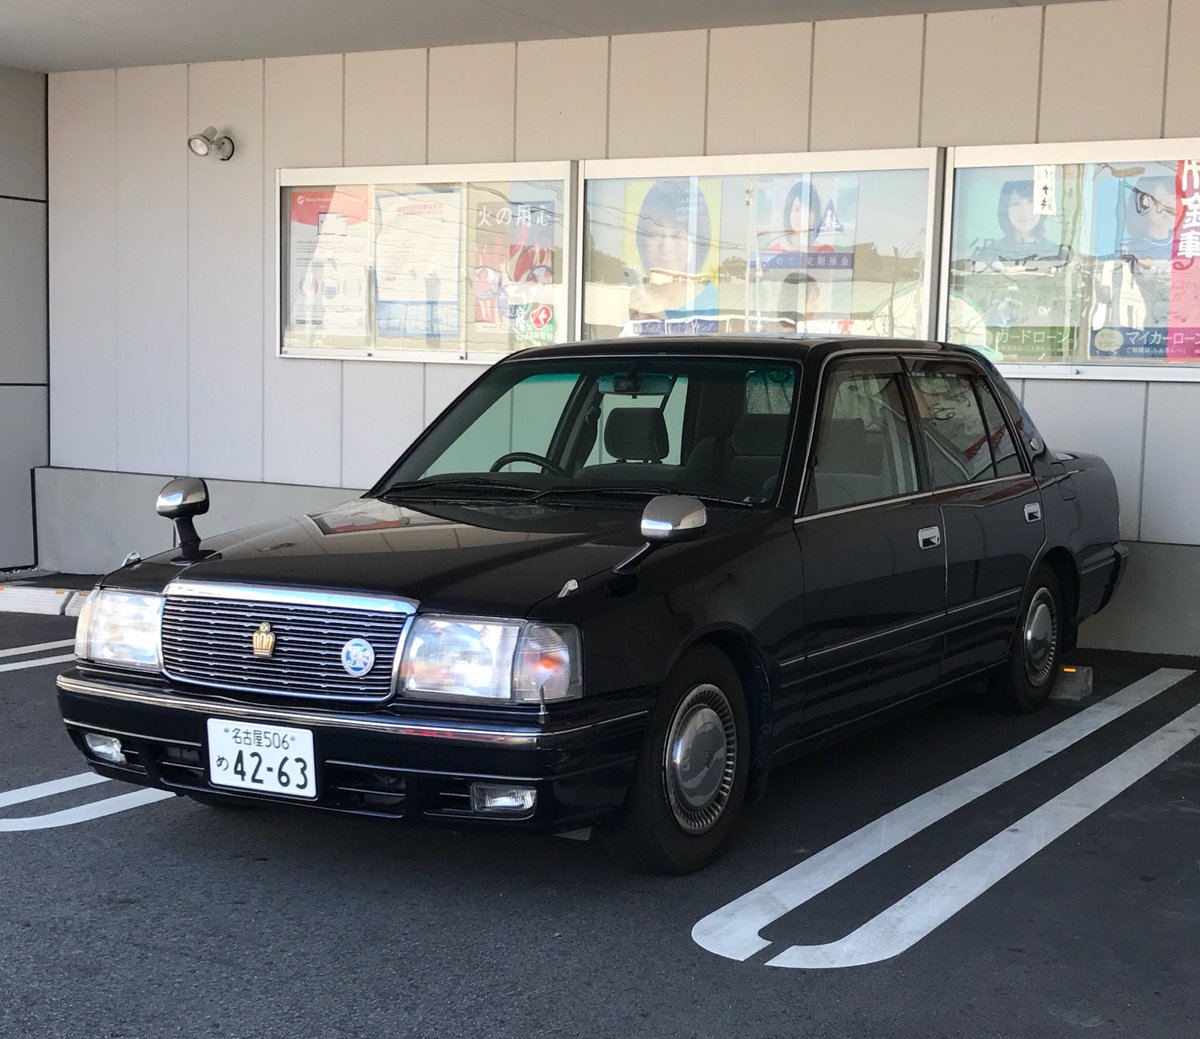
[264,640]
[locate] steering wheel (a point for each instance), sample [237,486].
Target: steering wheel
[528,456]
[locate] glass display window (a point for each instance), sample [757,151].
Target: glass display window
[821,243]
[1076,254]
[424,263]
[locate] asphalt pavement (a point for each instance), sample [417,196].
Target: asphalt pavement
[1053,892]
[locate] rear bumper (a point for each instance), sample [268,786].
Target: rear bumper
[408,768]
[1099,581]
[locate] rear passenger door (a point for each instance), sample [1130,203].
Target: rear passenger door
[872,550]
[991,509]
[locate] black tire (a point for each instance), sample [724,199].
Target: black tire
[680,808]
[1028,678]
[220,801]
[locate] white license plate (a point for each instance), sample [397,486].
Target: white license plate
[270,759]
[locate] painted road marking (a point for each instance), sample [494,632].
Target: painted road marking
[21,651]
[733,931]
[21,665]
[69,816]
[55,786]
[95,810]
[897,929]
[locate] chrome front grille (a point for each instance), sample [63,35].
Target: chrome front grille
[209,640]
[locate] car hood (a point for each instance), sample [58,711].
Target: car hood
[487,558]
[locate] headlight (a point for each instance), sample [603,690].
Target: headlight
[468,658]
[120,628]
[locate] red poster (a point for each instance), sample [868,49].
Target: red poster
[1183,333]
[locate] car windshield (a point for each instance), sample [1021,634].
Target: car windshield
[617,427]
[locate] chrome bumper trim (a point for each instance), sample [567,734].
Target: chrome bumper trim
[528,736]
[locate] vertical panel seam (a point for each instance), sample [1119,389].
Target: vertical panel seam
[812,81]
[268,245]
[1162,128]
[516,75]
[921,83]
[187,280]
[116,199]
[341,364]
[1142,473]
[608,103]
[1037,115]
[707,79]
[428,95]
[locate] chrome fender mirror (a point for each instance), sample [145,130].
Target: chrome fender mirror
[180,500]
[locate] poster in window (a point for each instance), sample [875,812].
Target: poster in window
[418,263]
[328,264]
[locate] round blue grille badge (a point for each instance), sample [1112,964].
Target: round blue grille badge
[358,657]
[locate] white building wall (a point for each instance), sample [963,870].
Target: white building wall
[162,267]
[23,367]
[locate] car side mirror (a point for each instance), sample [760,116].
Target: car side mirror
[180,500]
[667,519]
[674,517]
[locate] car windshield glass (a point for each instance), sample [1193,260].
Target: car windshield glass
[714,428]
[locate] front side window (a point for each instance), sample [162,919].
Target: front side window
[864,448]
[712,428]
[966,437]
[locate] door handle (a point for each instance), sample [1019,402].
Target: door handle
[929,537]
[1033,512]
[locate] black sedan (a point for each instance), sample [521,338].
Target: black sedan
[613,583]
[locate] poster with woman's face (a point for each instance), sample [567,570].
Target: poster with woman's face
[1075,261]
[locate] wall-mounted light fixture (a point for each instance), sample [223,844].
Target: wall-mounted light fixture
[208,143]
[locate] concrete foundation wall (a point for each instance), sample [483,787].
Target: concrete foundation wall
[89,520]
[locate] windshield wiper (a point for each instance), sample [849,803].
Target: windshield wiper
[625,491]
[436,484]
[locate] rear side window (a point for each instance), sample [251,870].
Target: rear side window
[966,438]
[864,450]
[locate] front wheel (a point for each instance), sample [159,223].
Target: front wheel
[691,772]
[1028,679]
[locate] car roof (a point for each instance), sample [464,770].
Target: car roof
[784,348]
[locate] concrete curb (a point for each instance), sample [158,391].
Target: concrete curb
[53,602]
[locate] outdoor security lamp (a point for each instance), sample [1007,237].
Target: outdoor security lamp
[208,143]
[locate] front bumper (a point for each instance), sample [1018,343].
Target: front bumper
[381,763]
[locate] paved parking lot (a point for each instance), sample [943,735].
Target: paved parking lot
[1051,892]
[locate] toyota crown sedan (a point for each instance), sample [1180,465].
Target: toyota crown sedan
[613,584]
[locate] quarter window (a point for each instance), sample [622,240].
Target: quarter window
[864,449]
[966,437]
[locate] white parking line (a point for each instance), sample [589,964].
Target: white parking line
[734,930]
[21,651]
[44,661]
[908,921]
[95,810]
[68,816]
[54,786]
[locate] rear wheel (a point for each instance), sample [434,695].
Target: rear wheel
[691,772]
[1028,680]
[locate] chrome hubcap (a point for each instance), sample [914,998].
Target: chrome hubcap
[1041,637]
[701,758]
